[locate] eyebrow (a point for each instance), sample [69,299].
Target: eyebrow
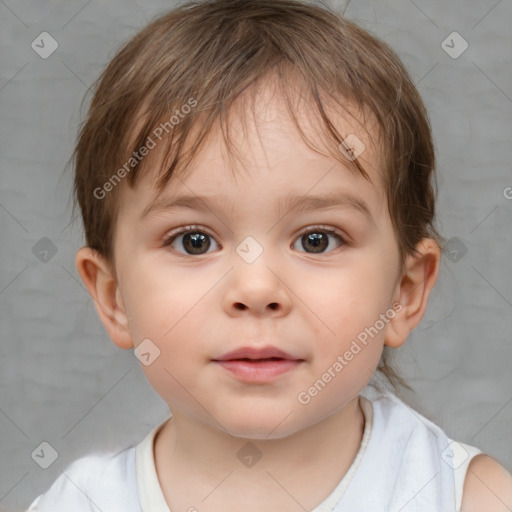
[288,204]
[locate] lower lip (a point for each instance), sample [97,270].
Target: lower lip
[259,370]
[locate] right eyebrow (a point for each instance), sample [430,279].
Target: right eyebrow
[186,201]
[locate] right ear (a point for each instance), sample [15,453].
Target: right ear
[102,286]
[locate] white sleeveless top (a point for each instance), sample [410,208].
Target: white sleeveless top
[405,463]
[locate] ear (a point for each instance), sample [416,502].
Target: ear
[99,279]
[413,290]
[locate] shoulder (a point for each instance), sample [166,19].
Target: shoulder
[71,488]
[487,486]
[89,482]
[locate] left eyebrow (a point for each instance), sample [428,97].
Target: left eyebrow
[288,204]
[332,200]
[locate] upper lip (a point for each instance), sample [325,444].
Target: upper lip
[255,353]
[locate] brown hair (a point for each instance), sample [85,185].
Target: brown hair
[203,55]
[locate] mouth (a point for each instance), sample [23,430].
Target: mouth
[258,365]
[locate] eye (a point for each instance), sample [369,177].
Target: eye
[192,239]
[317,239]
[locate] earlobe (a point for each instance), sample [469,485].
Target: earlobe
[413,290]
[102,286]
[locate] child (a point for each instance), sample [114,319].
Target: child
[253,130]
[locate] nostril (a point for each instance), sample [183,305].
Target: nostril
[241,307]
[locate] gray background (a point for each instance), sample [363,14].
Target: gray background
[64,382]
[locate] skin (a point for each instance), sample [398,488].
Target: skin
[311,305]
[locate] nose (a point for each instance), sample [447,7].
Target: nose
[257,289]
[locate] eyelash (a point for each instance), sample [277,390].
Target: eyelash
[194,228]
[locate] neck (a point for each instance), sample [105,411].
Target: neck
[308,463]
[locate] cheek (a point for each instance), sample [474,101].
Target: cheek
[360,291]
[167,320]
[157,301]
[170,310]
[347,305]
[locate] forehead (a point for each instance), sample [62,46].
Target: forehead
[260,136]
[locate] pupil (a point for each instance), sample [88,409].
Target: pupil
[317,240]
[194,241]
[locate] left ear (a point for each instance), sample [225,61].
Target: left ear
[413,290]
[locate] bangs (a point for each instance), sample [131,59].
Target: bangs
[182,132]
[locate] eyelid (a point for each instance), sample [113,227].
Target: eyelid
[325,229]
[191,227]
[184,229]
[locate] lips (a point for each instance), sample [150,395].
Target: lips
[258,365]
[254,354]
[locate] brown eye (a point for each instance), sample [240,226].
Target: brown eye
[190,241]
[316,240]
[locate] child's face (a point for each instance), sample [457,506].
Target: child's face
[310,297]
